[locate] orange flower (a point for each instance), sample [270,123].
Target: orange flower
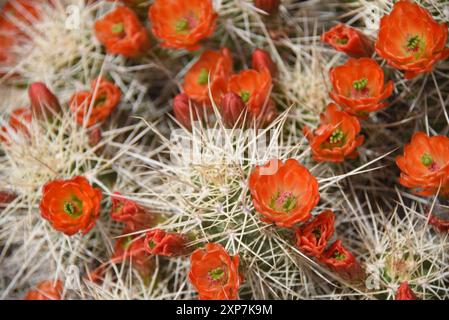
[71,205]
[283,193]
[121,32]
[129,212]
[359,87]
[404,292]
[182,24]
[213,67]
[425,164]
[253,87]
[341,261]
[214,273]
[20,12]
[97,104]
[19,123]
[337,136]
[349,40]
[312,238]
[46,290]
[411,40]
[159,242]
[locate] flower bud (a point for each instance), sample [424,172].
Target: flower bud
[95,137]
[232,107]
[269,6]
[6,197]
[261,59]
[184,110]
[405,293]
[43,102]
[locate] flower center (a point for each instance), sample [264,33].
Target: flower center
[118,28]
[245,95]
[427,160]
[360,84]
[151,244]
[127,241]
[68,208]
[73,208]
[337,136]
[216,274]
[182,25]
[413,43]
[341,41]
[100,101]
[203,78]
[284,201]
[317,233]
[339,256]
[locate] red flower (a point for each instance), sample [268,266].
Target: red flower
[19,123]
[359,87]
[127,247]
[262,59]
[425,164]
[121,32]
[411,40]
[182,24]
[269,6]
[405,293]
[283,193]
[17,12]
[341,261]
[214,68]
[349,40]
[232,109]
[253,87]
[312,238]
[46,290]
[439,223]
[43,101]
[214,273]
[186,111]
[129,212]
[337,136]
[161,243]
[97,104]
[71,205]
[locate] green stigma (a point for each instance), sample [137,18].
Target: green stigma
[181,25]
[360,84]
[339,256]
[341,41]
[68,208]
[337,136]
[203,78]
[151,244]
[245,96]
[216,274]
[118,27]
[413,43]
[127,241]
[426,159]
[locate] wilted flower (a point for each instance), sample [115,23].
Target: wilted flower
[312,237]
[161,243]
[349,40]
[411,40]
[98,103]
[336,138]
[214,273]
[285,196]
[71,205]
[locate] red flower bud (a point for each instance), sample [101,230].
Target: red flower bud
[129,212]
[341,261]
[95,137]
[185,111]
[405,293]
[159,242]
[269,6]
[439,223]
[43,102]
[232,108]
[262,59]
